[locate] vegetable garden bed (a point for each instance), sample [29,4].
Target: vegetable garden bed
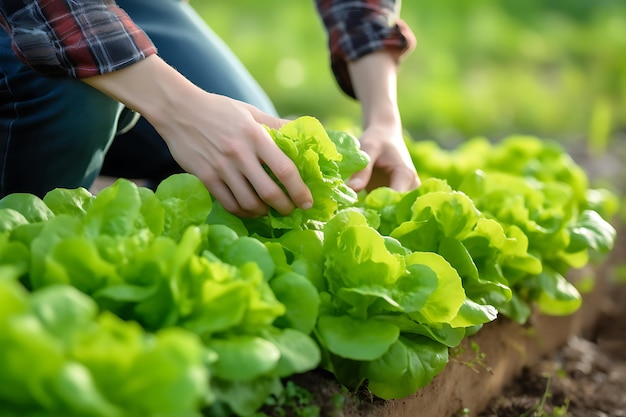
[479,370]
[164,304]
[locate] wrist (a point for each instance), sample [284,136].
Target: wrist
[387,115]
[151,87]
[374,77]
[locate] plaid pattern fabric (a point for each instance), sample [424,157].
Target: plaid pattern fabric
[356,28]
[76,38]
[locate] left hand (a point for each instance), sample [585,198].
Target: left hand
[390,163]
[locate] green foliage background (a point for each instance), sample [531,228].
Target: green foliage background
[483,67]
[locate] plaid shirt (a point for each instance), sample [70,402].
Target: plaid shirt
[357,28]
[76,38]
[92,37]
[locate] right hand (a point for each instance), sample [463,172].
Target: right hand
[222,142]
[218,139]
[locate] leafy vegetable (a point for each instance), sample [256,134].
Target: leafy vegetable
[131,291]
[84,363]
[322,167]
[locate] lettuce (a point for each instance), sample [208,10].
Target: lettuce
[322,166]
[84,363]
[131,291]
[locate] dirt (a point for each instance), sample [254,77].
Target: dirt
[586,378]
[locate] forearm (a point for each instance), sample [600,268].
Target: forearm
[374,78]
[150,87]
[357,29]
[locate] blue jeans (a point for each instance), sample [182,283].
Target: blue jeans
[60,132]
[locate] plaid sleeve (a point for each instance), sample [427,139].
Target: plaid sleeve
[357,28]
[79,38]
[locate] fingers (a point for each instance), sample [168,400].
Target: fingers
[249,192]
[390,164]
[288,175]
[266,119]
[225,196]
[267,191]
[399,178]
[241,183]
[246,198]
[282,167]
[404,179]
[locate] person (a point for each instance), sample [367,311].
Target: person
[75,74]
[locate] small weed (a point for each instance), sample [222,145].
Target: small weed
[476,362]
[339,400]
[541,410]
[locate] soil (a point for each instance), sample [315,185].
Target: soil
[586,378]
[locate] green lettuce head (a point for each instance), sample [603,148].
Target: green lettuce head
[325,160]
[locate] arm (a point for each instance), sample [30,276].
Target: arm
[374,80]
[366,42]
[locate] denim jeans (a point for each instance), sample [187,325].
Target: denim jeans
[60,132]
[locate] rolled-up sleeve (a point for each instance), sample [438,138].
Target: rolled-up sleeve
[73,37]
[357,28]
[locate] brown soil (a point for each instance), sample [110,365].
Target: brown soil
[586,378]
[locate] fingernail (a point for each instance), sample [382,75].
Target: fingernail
[306,205]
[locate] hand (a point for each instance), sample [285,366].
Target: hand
[223,143]
[218,139]
[390,163]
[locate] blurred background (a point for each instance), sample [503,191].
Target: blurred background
[554,69]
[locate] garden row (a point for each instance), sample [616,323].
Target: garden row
[135,302]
